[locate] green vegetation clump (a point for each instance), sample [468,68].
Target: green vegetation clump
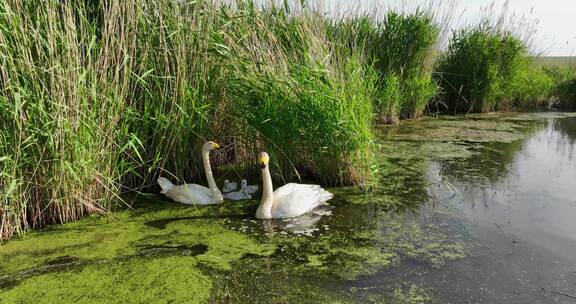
[480,69]
[402,51]
[170,279]
[564,91]
[406,52]
[533,88]
[488,67]
[106,98]
[307,105]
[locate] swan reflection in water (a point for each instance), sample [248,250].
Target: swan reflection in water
[305,225]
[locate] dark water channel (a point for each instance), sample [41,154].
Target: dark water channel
[516,200]
[476,209]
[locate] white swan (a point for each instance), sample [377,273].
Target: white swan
[290,200]
[229,186]
[248,188]
[193,193]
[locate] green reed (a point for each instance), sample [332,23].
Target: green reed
[103,98]
[402,50]
[100,98]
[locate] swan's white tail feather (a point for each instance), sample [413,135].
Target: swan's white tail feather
[325,196]
[322,196]
[165,184]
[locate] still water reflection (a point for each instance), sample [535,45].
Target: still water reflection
[517,200]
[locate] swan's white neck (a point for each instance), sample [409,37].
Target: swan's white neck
[209,175]
[265,208]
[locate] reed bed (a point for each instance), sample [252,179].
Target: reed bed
[488,66]
[477,69]
[102,98]
[402,49]
[563,90]
[64,92]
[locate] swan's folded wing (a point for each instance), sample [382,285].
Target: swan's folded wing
[191,194]
[252,189]
[292,199]
[201,195]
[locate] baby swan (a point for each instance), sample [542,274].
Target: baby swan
[238,195]
[249,188]
[229,186]
[193,193]
[290,200]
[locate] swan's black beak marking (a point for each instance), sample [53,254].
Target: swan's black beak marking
[263,160]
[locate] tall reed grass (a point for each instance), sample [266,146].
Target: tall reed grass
[297,97]
[64,90]
[402,49]
[485,71]
[488,66]
[97,99]
[564,86]
[533,87]
[479,69]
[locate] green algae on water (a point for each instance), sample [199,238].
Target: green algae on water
[121,252]
[187,259]
[166,280]
[446,129]
[412,294]
[349,250]
[224,246]
[90,238]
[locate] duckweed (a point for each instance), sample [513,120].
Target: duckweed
[91,238]
[168,280]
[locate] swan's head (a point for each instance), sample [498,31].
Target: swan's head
[263,160]
[210,145]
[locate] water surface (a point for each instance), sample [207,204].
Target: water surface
[476,209]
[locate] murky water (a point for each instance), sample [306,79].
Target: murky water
[478,209]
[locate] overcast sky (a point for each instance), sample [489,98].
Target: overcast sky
[556,28]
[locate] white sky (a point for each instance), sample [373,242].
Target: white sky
[556,27]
